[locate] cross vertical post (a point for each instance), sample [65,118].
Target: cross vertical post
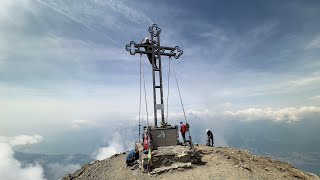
[155,111]
[155,51]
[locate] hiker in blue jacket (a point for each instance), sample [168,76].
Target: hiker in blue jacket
[132,157]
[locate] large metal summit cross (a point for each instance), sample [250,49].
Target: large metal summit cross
[154,52]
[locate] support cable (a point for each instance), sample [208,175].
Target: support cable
[175,75]
[146,103]
[145,96]
[184,113]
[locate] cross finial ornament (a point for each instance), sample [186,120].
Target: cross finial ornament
[131,48]
[177,51]
[154,30]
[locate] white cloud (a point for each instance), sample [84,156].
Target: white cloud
[5,5]
[179,115]
[288,114]
[219,119]
[264,29]
[10,168]
[315,97]
[110,14]
[57,170]
[129,12]
[305,81]
[21,140]
[106,152]
[227,104]
[116,145]
[25,140]
[269,84]
[217,34]
[83,124]
[315,43]
[226,45]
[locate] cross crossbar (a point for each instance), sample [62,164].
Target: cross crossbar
[134,48]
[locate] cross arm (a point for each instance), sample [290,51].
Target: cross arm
[147,49]
[162,48]
[161,53]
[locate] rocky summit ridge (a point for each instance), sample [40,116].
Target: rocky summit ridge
[213,163]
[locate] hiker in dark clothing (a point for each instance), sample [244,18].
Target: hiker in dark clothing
[148,42]
[209,138]
[132,157]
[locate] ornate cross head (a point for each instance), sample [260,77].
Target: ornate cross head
[177,51]
[154,30]
[131,47]
[146,48]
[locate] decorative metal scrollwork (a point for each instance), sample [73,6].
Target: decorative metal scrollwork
[155,45]
[154,30]
[177,52]
[131,48]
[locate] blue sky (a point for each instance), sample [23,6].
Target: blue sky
[64,69]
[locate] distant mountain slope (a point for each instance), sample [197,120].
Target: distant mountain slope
[218,163]
[295,143]
[55,166]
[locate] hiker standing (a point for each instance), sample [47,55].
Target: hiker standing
[147,140]
[183,130]
[210,138]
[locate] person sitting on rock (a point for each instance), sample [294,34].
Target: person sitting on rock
[132,157]
[209,138]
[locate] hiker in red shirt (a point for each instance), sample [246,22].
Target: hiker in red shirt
[183,130]
[147,140]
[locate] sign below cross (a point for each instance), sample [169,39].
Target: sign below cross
[154,52]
